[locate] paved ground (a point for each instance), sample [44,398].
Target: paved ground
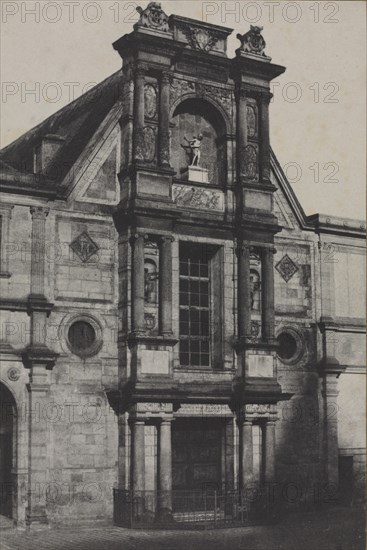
[333,529]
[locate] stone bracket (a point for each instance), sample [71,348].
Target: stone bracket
[40,355]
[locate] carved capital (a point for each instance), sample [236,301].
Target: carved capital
[244,249]
[39,212]
[166,77]
[265,97]
[140,69]
[136,237]
[167,238]
[240,93]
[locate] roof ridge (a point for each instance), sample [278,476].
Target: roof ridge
[67,109]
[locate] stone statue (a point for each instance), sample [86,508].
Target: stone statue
[252,41]
[149,285]
[194,145]
[153,17]
[254,290]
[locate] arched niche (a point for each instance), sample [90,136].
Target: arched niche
[193,117]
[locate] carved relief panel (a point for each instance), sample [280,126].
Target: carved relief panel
[150,132]
[250,165]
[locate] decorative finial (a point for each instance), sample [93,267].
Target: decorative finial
[153,17]
[252,42]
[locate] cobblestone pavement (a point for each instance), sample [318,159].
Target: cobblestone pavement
[335,529]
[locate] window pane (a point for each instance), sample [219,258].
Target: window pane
[184,267]
[184,328]
[194,287]
[204,287]
[194,315]
[184,315]
[184,285]
[195,359]
[194,306]
[195,346]
[205,360]
[184,346]
[184,359]
[194,300]
[205,347]
[195,329]
[194,270]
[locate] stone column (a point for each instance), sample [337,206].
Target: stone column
[138,461]
[137,284]
[264,136]
[163,146]
[139,108]
[269,454]
[39,215]
[165,286]
[244,291]
[37,450]
[267,294]
[246,455]
[229,454]
[165,468]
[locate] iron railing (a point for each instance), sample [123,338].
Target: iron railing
[189,509]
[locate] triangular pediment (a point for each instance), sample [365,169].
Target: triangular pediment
[98,182]
[287,208]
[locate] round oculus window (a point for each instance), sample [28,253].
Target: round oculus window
[288,346]
[82,337]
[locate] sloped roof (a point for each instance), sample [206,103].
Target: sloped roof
[74,124]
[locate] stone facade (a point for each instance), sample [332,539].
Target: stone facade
[99,246]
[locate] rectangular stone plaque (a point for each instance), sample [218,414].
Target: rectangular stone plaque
[261,366]
[154,362]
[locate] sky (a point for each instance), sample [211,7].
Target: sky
[52,51]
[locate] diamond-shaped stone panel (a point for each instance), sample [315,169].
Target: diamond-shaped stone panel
[286,267]
[84,247]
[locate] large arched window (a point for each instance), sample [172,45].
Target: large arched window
[191,118]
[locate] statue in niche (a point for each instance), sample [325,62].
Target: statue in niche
[150,285]
[194,146]
[255,290]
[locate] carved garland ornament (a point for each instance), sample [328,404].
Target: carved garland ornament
[200,39]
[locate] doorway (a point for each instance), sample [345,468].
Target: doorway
[197,454]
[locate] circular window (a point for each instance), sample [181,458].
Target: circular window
[81,335]
[290,345]
[287,346]
[84,336]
